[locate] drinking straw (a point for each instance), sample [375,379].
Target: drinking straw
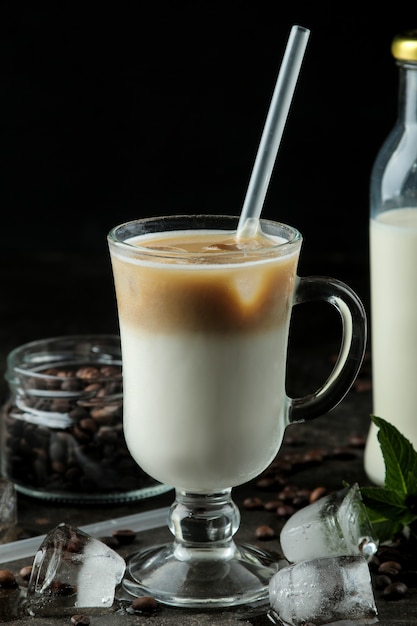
[25,548]
[273,130]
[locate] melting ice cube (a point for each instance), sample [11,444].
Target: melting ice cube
[72,570]
[323,591]
[335,525]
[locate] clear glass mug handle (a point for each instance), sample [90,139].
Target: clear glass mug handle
[352,349]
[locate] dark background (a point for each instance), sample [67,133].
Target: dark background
[124,110]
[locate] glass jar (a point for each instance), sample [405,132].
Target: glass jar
[61,428]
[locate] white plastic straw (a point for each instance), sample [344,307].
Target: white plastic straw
[138,522]
[273,130]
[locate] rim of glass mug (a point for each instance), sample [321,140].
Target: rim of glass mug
[161,226]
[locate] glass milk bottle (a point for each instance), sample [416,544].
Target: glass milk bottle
[393,260]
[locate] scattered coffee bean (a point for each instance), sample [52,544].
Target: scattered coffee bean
[395,591]
[301,497]
[111,542]
[252,504]
[317,493]
[145,604]
[7,579]
[124,536]
[80,620]
[357,441]
[266,483]
[313,457]
[288,493]
[343,454]
[265,532]
[272,505]
[285,510]
[391,568]
[25,572]
[382,581]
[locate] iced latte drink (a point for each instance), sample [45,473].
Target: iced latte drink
[204,325]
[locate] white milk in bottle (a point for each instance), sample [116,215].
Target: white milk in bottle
[393,241]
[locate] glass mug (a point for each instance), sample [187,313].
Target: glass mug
[204,324]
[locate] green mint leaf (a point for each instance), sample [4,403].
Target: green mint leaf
[394,506]
[412,483]
[399,456]
[388,511]
[384,530]
[388,504]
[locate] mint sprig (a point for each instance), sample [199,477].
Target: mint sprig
[394,506]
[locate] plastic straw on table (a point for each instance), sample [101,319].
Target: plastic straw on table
[273,130]
[138,522]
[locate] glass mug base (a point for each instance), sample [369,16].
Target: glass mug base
[243,578]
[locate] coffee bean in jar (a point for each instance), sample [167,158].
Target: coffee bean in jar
[61,428]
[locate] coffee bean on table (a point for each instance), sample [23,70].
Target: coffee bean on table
[25,572]
[316,494]
[7,579]
[285,510]
[110,541]
[266,483]
[357,441]
[145,604]
[288,493]
[343,454]
[272,505]
[382,581]
[124,536]
[253,503]
[265,532]
[395,591]
[391,568]
[80,620]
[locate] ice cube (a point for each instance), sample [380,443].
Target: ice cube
[8,509]
[71,570]
[323,591]
[335,525]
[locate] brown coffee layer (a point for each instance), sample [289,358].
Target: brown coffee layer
[172,298]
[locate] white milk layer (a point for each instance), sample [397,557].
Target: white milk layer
[204,411]
[393,244]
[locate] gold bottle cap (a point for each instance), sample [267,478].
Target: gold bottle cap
[404,46]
